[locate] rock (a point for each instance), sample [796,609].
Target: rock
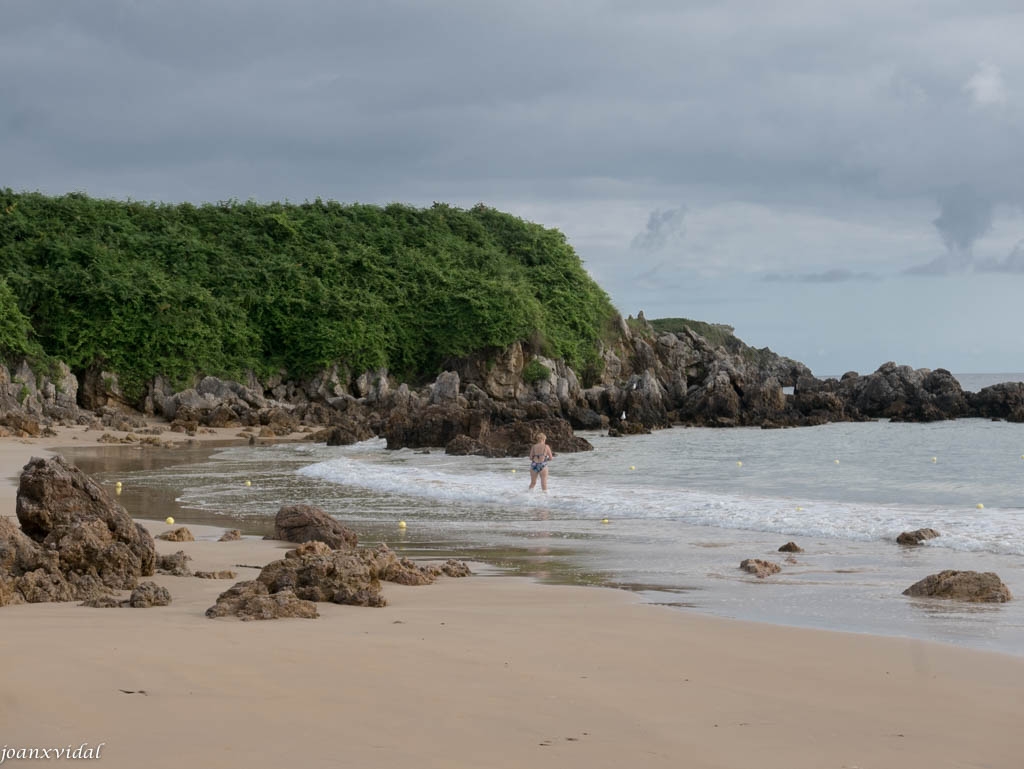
[251,600]
[340,576]
[104,602]
[791,547]
[759,568]
[305,523]
[451,568]
[916,537]
[98,545]
[231,535]
[309,548]
[181,534]
[463,446]
[176,565]
[222,574]
[149,594]
[386,565]
[972,586]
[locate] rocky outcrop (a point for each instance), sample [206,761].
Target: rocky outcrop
[75,541]
[175,564]
[306,523]
[916,537]
[230,535]
[791,547]
[252,600]
[314,572]
[180,534]
[149,594]
[972,586]
[760,568]
[1001,401]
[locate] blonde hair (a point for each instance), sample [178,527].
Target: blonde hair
[541,437]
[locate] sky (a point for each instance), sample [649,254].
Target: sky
[842,182]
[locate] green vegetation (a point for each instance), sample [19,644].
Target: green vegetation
[142,289]
[535,371]
[717,334]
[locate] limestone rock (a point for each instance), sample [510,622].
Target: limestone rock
[340,576]
[760,568]
[97,542]
[221,574]
[181,534]
[791,547]
[175,564]
[231,535]
[972,586]
[916,537]
[251,600]
[304,523]
[149,594]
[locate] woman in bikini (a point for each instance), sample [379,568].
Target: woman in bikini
[540,455]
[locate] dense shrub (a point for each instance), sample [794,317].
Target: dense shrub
[148,288]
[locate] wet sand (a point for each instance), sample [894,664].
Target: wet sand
[489,671]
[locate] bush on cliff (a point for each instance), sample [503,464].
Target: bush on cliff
[142,289]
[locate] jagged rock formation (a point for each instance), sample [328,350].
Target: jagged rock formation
[74,543]
[760,568]
[315,572]
[648,377]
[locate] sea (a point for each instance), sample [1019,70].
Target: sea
[672,514]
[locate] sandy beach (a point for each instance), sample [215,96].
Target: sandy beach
[488,671]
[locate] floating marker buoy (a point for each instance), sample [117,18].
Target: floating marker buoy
[248,483]
[837,461]
[513,470]
[604,520]
[980,506]
[739,464]
[935,459]
[799,509]
[118,484]
[632,467]
[169,521]
[401,524]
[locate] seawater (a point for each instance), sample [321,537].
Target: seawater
[672,514]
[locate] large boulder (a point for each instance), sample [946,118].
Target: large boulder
[973,586]
[63,510]
[307,523]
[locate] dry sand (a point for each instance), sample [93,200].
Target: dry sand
[489,671]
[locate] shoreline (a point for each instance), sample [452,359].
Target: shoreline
[483,672]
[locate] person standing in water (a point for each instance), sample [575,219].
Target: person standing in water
[540,455]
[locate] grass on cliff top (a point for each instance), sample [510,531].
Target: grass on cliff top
[142,289]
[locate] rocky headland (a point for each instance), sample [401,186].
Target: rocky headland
[492,403]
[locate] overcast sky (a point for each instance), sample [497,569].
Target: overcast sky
[840,181]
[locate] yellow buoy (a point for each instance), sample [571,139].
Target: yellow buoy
[837,461]
[799,509]
[401,524]
[632,467]
[248,483]
[604,520]
[117,491]
[513,470]
[739,464]
[935,459]
[169,521]
[980,506]
[118,484]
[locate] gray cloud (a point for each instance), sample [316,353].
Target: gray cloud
[806,142]
[837,275]
[665,229]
